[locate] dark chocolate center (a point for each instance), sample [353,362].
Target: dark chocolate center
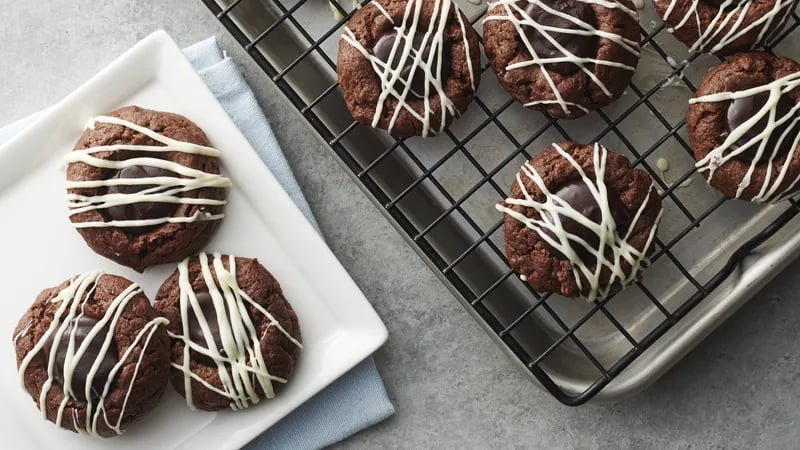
[143,210]
[581,46]
[742,109]
[578,196]
[383,48]
[81,327]
[196,334]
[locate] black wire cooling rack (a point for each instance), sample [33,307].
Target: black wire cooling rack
[425,186]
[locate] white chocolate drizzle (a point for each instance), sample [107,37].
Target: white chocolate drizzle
[242,369]
[164,189]
[729,149]
[730,13]
[393,86]
[517,16]
[662,164]
[72,300]
[337,15]
[612,251]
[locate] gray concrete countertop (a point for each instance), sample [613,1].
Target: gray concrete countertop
[452,387]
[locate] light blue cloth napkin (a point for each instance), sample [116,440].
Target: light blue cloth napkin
[358,399]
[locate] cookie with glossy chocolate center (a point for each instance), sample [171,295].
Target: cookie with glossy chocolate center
[409,67]
[564,57]
[746,143]
[93,354]
[138,206]
[724,27]
[570,233]
[228,320]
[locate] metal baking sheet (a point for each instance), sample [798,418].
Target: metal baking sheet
[485,161]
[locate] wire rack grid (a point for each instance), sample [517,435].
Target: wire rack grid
[482,237]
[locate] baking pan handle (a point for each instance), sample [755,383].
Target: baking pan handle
[747,247]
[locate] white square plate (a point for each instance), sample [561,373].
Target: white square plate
[41,249]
